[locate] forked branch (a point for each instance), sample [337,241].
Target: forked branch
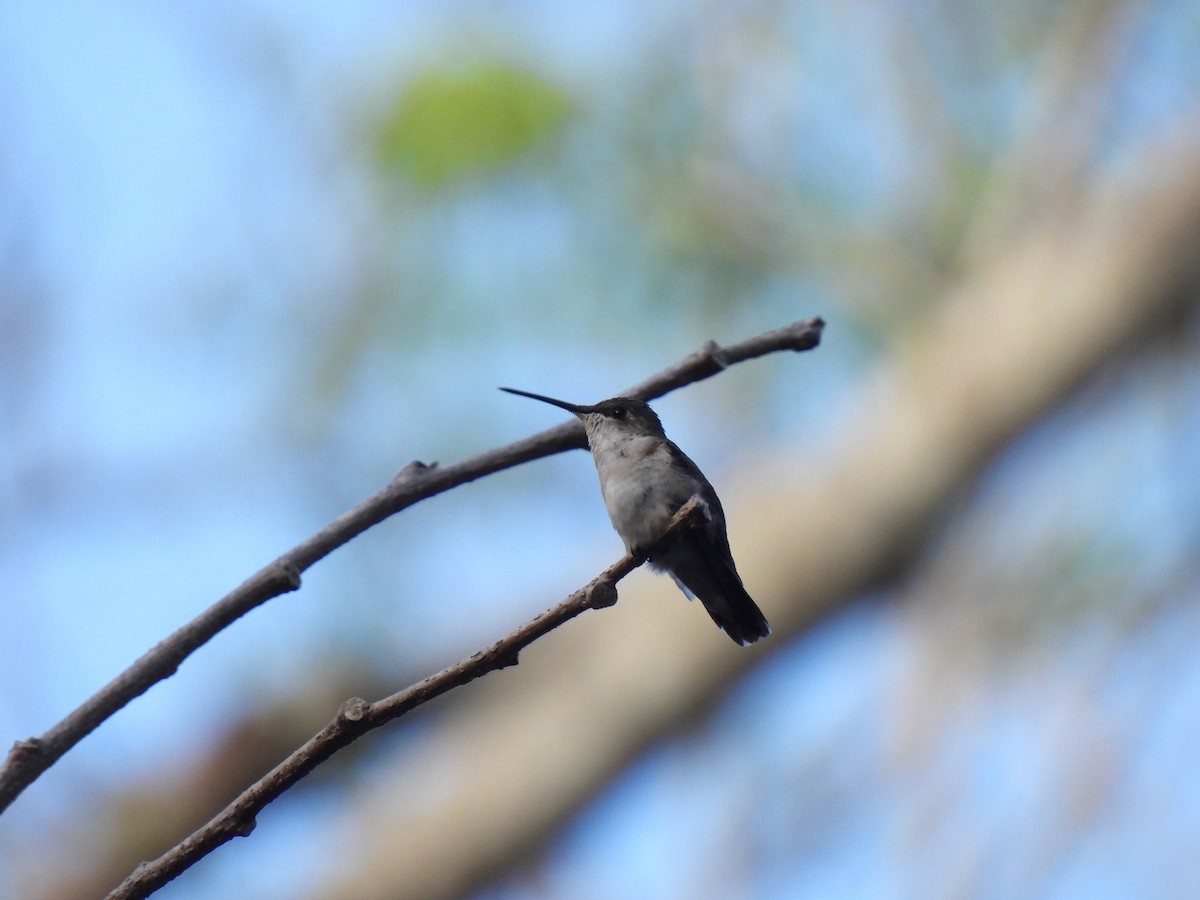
[357,717]
[29,758]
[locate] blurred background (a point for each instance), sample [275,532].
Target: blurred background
[256,256]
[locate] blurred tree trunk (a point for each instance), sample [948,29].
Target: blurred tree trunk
[1011,340]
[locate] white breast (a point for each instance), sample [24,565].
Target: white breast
[642,490]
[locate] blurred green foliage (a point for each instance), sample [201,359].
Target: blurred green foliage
[447,124]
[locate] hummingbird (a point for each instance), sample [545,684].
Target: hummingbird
[645,478]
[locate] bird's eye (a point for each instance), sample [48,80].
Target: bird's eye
[619,412]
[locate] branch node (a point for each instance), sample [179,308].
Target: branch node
[411,472]
[25,750]
[602,594]
[714,352]
[354,709]
[243,826]
[509,659]
[287,575]
[496,657]
[806,333]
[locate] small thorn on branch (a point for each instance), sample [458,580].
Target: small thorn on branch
[508,660]
[718,356]
[602,594]
[353,709]
[24,751]
[411,472]
[286,575]
[243,826]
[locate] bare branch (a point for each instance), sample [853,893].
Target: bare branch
[357,717]
[29,758]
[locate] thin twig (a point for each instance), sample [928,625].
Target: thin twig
[29,758]
[357,717]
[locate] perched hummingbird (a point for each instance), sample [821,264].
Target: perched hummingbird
[645,479]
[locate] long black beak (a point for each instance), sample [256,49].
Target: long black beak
[561,404]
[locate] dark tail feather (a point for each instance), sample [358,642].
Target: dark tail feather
[717,585]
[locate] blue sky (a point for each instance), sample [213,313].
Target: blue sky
[187,213]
